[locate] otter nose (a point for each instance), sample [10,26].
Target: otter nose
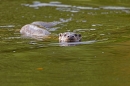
[70,36]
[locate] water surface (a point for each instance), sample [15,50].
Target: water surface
[101,59]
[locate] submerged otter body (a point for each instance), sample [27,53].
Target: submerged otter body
[38,30]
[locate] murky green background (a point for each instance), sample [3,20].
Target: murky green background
[28,62]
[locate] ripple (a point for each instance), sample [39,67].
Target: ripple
[51,4]
[74,9]
[7,26]
[81,30]
[87,8]
[102,34]
[115,8]
[97,25]
[33,43]
[92,29]
[84,30]
[12,38]
[60,6]
[72,43]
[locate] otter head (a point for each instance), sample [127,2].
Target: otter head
[69,37]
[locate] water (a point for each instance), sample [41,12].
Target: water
[100,59]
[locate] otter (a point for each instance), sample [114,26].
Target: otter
[69,37]
[38,30]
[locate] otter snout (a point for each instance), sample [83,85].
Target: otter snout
[70,38]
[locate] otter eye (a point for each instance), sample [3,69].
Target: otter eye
[60,34]
[79,35]
[75,34]
[65,34]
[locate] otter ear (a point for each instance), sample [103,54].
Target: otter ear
[79,35]
[60,34]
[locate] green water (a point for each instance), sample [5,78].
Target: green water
[28,62]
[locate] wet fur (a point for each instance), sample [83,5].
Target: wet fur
[69,37]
